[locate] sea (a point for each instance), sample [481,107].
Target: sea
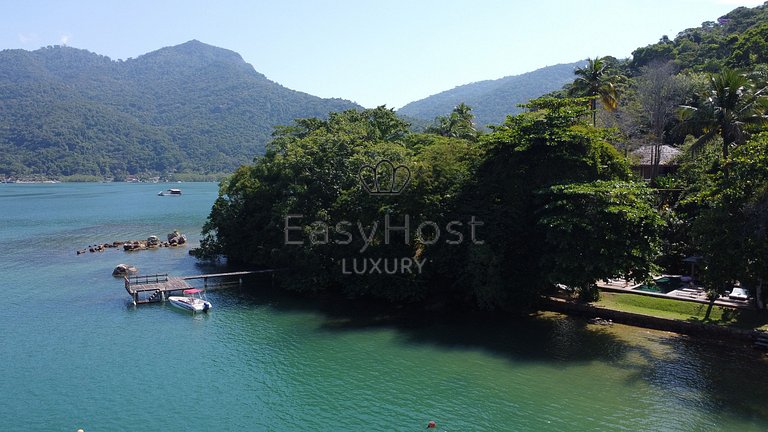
[75,353]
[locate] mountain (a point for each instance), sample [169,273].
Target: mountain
[738,39]
[493,100]
[190,108]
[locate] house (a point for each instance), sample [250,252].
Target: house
[644,156]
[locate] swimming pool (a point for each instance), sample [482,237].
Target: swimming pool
[663,284]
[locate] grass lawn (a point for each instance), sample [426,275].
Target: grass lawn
[682,310]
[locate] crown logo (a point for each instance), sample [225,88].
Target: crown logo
[384,178]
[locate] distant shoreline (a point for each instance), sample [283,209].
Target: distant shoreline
[57,181]
[185,177]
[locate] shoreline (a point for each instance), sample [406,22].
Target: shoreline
[101,181]
[379,314]
[652,322]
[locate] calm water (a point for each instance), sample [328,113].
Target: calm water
[74,354]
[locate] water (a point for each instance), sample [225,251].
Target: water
[663,285]
[75,354]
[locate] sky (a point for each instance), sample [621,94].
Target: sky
[384,52]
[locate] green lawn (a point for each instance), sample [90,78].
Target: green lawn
[682,310]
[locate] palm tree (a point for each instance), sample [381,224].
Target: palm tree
[595,81]
[729,108]
[459,124]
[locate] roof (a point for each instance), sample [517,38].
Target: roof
[643,153]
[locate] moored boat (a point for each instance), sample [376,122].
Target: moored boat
[192,301]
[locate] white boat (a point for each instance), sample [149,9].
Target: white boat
[170,192]
[192,301]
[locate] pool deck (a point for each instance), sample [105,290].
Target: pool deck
[697,295]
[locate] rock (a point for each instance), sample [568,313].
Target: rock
[123,270]
[600,321]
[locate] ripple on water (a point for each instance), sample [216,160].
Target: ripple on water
[74,355]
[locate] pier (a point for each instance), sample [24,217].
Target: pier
[157,287]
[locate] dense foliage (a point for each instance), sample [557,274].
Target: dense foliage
[526,157]
[732,228]
[543,199]
[620,214]
[735,39]
[303,206]
[192,108]
[706,93]
[477,218]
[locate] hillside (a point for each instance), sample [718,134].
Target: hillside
[737,39]
[188,108]
[493,100]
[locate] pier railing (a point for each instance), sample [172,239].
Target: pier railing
[146,279]
[156,287]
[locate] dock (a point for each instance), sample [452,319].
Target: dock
[157,287]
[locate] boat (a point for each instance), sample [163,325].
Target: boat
[170,192]
[192,301]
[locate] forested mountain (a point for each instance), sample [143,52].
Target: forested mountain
[187,108]
[737,39]
[491,101]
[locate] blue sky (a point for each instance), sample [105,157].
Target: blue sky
[372,52]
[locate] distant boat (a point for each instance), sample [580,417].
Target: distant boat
[170,192]
[192,301]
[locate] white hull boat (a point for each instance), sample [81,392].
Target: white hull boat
[191,301]
[170,192]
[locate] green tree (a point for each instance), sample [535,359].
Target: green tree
[662,52]
[730,109]
[732,231]
[478,211]
[599,230]
[596,81]
[752,47]
[302,206]
[458,124]
[550,145]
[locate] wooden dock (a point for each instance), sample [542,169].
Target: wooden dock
[157,287]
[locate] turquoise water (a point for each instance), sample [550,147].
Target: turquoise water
[75,354]
[662,285]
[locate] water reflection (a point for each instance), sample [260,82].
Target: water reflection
[674,382]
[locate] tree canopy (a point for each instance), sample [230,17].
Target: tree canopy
[475,216]
[192,108]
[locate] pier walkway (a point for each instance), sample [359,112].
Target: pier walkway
[157,287]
